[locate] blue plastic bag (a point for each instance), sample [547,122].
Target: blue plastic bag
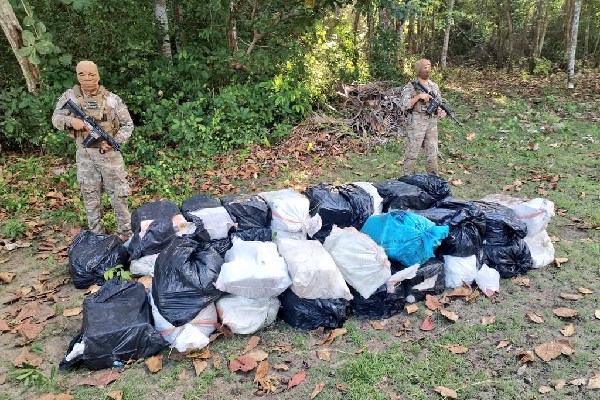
[406,237]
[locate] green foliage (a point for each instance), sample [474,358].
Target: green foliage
[13,229]
[543,66]
[119,272]
[32,376]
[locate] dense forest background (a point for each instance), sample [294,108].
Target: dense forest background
[200,77]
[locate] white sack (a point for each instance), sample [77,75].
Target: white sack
[459,269]
[190,336]
[253,269]
[541,249]
[313,271]
[488,280]
[143,265]
[291,216]
[216,220]
[535,213]
[362,262]
[245,316]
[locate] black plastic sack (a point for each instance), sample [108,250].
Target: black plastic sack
[184,276]
[380,305]
[254,234]
[502,224]
[398,195]
[91,255]
[311,314]
[430,279]
[116,327]
[509,260]
[436,187]
[158,235]
[344,206]
[467,227]
[196,203]
[221,245]
[156,210]
[248,211]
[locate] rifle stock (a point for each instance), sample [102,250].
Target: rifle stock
[96,131]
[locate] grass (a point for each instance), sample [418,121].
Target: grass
[502,143]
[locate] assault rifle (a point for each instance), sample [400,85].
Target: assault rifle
[96,132]
[435,103]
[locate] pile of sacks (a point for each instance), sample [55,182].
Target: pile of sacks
[309,259]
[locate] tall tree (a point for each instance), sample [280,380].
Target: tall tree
[449,22]
[12,31]
[160,13]
[573,44]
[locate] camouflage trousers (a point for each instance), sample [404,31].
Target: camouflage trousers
[95,172]
[421,133]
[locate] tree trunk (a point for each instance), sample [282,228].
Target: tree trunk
[178,20]
[12,31]
[509,35]
[355,23]
[160,13]
[571,59]
[447,34]
[586,40]
[232,41]
[411,34]
[568,20]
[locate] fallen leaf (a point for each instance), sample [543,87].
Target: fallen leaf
[4,326]
[252,343]
[52,396]
[115,394]
[324,354]
[559,384]
[217,361]
[376,325]
[561,260]
[204,354]
[27,358]
[578,382]
[456,182]
[92,289]
[544,389]
[71,312]
[565,312]
[283,348]
[29,330]
[462,291]
[568,330]
[503,343]
[261,371]
[526,356]
[594,382]
[521,281]
[318,389]
[199,365]
[2,379]
[100,378]
[488,320]
[360,351]
[242,363]
[258,355]
[583,290]
[449,314]
[411,308]
[534,317]
[470,136]
[427,324]
[432,302]
[29,310]
[456,348]
[281,367]
[571,296]
[446,392]
[7,277]
[472,297]
[297,379]
[597,314]
[154,363]
[341,387]
[550,350]
[333,334]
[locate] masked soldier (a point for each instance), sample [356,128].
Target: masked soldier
[422,128]
[100,166]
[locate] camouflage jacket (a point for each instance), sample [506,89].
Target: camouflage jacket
[409,91]
[115,116]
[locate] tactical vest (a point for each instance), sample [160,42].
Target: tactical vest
[96,106]
[420,106]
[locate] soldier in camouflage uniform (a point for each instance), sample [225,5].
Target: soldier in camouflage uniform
[99,167]
[422,128]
